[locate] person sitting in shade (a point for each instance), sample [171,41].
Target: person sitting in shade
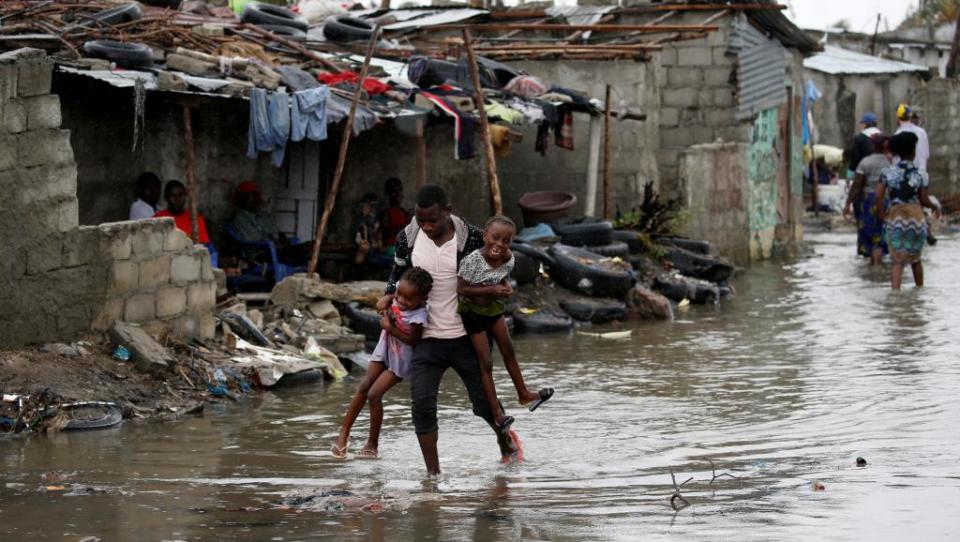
[175,195]
[252,223]
[148,195]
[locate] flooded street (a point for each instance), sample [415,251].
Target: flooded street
[809,367]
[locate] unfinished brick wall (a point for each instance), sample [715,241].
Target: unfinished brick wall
[939,102]
[57,279]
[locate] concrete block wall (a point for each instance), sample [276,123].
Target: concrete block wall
[939,101]
[58,279]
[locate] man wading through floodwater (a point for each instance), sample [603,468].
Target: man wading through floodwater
[437,240]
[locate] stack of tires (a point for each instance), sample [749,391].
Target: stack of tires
[279,21]
[594,235]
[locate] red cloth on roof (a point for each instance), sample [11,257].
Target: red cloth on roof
[371,85]
[183,224]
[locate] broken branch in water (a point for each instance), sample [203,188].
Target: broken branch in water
[713,468]
[676,493]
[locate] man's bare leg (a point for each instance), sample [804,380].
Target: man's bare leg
[428,447]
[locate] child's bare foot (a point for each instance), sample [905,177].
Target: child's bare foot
[504,423]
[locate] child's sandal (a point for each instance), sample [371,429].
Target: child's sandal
[339,452]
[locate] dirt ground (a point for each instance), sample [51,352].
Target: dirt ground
[50,378]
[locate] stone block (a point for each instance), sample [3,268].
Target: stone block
[202,297]
[155,272]
[185,268]
[42,112]
[111,312]
[186,326]
[691,116]
[680,97]
[32,191]
[171,301]
[69,215]
[207,327]
[206,269]
[737,133]
[8,82]
[124,277]
[146,353]
[116,242]
[722,116]
[705,97]
[140,308]
[34,77]
[175,241]
[717,77]
[146,241]
[44,147]
[8,152]
[684,136]
[79,247]
[723,97]
[694,56]
[668,56]
[14,116]
[684,77]
[61,181]
[45,255]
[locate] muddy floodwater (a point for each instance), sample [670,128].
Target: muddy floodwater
[811,366]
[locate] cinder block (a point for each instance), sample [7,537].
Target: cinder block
[691,116]
[723,97]
[140,308]
[155,272]
[124,277]
[44,147]
[186,326]
[117,242]
[694,56]
[705,97]
[79,247]
[111,312]
[201,297]
[185,269]
[14,116]
[684,77]
[206,269]
[720,57]
[171,302]
[45,255]
[8,82]
[8,152]
[736,133]
[680,97]
[668,56]
[34,77]
[717,77]
[61,181]
[32,189]
[42,111]
[207,328]
[69,217]
[175,241]
[147,241]
[722,116]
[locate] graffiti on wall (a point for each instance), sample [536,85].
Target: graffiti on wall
[762,158]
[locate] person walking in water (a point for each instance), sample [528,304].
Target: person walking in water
[863,200]
[905,227]
[437,241]
[390,363]
[483,289]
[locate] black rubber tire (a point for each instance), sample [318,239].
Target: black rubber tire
[678,288]
[632,240]
[363,320]
[542,322]
[259,13]
[172,4]
[307,376]
[343,29]
[112,416]
[570,271]
[598,311]
[695,265]
[288,32]
[693,245]
[614,249]
[123,54]
[534,251]
[525,268]
[121,14]
[584,234]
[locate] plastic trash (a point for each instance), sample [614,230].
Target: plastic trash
[120,353]
[220,377]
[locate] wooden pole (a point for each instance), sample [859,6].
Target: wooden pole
[293,45]
[496,203]
[342,157]
[815,188]
[421,153]
[606,156]
[191,180]
[554,27]
[951,70]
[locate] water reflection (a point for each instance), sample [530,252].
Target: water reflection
[810,366]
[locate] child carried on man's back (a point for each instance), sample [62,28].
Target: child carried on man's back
[483,290]
[390,363]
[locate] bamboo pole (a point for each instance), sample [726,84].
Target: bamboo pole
[293,45]
[496,202]
[342,157]
[606,156]
[191,180]
[553,27]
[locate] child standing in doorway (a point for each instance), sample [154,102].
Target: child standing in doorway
[402,327]
[483,290]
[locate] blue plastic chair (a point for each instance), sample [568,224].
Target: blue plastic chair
[275,269]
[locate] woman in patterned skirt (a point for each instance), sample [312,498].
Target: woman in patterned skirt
[905,228]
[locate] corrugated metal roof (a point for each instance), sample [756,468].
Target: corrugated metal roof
[834,60]
[433,18]
[761,70]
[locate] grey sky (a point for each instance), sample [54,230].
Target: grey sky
[861,14]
